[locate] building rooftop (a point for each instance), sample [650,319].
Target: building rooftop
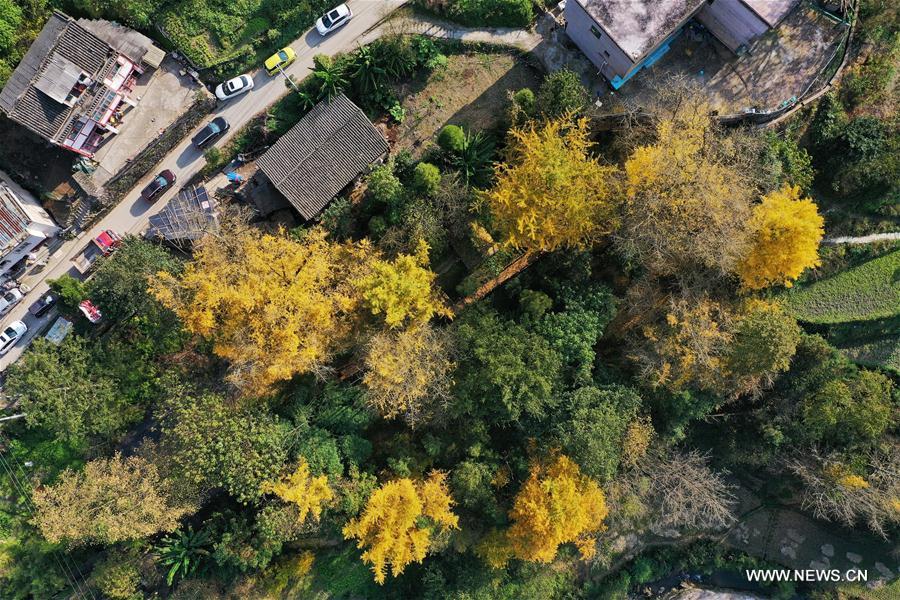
[771,11]
[65,53]
[637,26]
[186,218]
[321,154]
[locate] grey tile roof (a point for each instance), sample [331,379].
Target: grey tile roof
[61,40]
[321,154]
[133,44]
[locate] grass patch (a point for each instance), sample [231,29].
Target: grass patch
[231,36]
[869,291]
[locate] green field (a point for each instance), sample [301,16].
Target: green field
[216,33]
[868,291]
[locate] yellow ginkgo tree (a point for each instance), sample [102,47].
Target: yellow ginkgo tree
[552,193]
[399,522]
[272,306]
[309,494]
[556,505]
[402,290]
[785,233]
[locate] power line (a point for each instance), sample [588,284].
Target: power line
[67,571]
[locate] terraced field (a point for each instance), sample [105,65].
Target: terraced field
[869,291]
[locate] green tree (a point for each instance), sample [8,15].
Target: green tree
[10,21]
[120,283]
[765,340]
[594,428]
[211,444]
[71,291]
[505,371]
[451,139]
[329,75]
[561,93]
[384,186]
[427,178]
[855,410]
[112,500]
[62,389]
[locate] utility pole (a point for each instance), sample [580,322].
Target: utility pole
[289,80]
[10,418]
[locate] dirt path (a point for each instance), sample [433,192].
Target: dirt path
[865,239]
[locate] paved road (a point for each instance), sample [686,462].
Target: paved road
[131,215]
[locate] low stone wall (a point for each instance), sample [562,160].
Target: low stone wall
[120,183]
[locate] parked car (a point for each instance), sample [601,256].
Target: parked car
[333,19]
[10,299]
[280,60]
[42,306]
[160,184]
[211,132]
[12,334]
[234,87]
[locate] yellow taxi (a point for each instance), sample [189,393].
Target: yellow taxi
[280,60]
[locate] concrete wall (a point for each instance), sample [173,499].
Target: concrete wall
[610,60]
[732,22]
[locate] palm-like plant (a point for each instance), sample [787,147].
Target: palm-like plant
[183,553]
[368,75]
[474,159]
[330,76]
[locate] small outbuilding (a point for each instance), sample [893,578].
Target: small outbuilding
[326,150]
[185,219]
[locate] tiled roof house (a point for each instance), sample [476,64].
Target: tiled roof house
[327,149]
[72,87]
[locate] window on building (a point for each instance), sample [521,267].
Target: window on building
[606,53]
[595,31]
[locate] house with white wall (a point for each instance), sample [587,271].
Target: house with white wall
[24,224]
[621,37]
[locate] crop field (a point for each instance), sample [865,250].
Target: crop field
[868,291]
[880,353]
[214,33]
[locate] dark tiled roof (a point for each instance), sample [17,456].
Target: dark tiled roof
[61,37]
[321,154]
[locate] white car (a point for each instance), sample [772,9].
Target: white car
[333,19]
[234,87]
[9,299]
[11,335]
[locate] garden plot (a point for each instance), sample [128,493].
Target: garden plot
[472,91]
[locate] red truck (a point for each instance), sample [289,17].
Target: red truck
[103,245]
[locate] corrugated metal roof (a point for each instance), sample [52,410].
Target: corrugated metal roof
[321,154]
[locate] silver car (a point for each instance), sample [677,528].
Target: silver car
[12,334]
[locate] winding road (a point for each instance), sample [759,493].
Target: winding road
[131,215]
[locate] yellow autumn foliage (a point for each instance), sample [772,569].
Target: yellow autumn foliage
[310,494]
[272,306]
[686,199]
[403,289]
[552,193]
[558,504]
[786,231]
[408,372]
[399,521]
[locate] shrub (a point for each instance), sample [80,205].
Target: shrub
[494,13]
[377,226]
[427,178]
[560,93]
[384,186]
[452,139]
